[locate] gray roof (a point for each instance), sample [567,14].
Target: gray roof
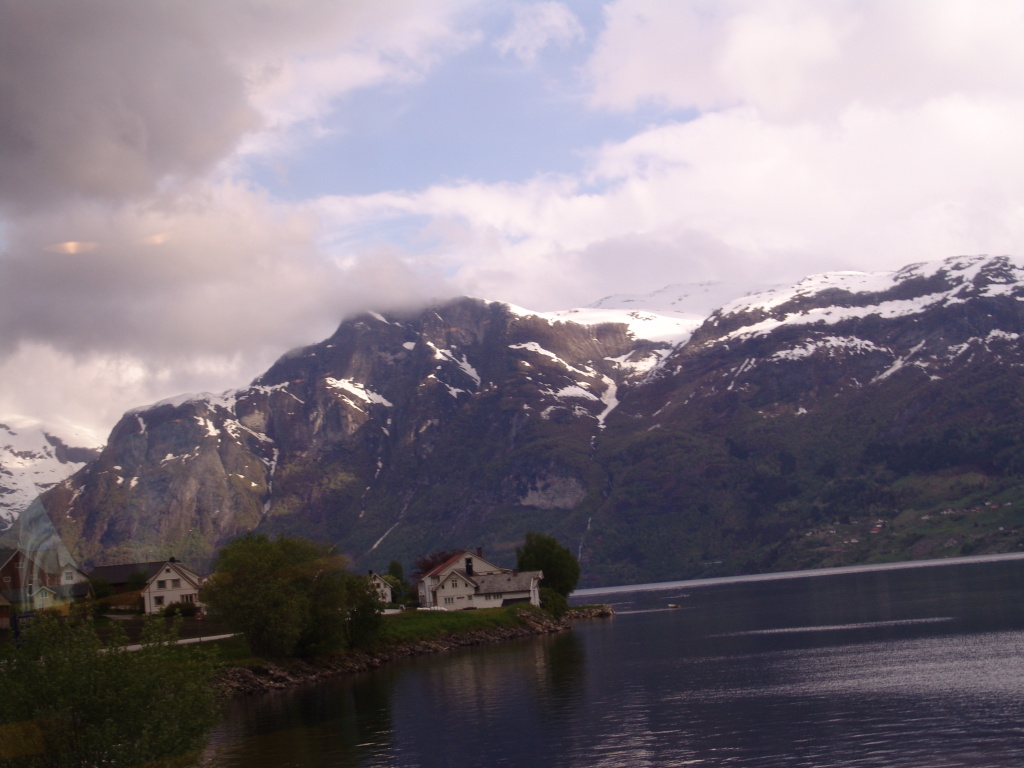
[510,581]
[122,574]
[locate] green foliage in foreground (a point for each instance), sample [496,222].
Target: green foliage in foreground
[68,700]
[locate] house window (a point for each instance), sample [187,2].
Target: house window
[188,598]
[449,600]
[161,584]
[69,575]
[158,600]
[7,578]
[455,583]
[175,583]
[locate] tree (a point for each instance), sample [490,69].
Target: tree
[395,569]
[287,596]
[365,618]
[75,702]
[426,563]
[543,553]
[395,576]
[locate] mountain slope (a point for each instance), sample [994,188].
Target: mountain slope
[32,460]
[830,422]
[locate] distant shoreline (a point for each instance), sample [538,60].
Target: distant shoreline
[809,573]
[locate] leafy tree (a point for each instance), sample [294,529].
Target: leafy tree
[287,596]
[395,570]
[75,702]
[541,552]
[400,588]
[426,563]
[364,618]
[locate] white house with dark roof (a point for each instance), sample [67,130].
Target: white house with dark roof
[466,581]
[166,582]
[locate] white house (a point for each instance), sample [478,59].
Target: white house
[383,588]
[466,580]
[166,582]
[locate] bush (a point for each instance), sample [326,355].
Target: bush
[71,701]
[187,610]
[554,603]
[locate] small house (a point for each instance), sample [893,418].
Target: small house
[382,587]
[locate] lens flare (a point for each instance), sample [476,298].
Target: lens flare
[73,246]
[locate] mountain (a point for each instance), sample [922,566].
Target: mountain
[851,417]
[33,459]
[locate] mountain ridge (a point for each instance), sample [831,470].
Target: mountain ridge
[782,413]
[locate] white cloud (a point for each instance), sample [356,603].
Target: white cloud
[731,190]
[803,59]
[132,265]
[538,25]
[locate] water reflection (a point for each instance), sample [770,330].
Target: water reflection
[911,668]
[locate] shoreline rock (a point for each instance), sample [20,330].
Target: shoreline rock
[276,675]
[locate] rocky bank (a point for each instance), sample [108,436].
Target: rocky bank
[285,673]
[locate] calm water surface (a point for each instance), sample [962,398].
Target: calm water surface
[905,667]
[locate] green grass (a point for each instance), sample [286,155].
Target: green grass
[413,626]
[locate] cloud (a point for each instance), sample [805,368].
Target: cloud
[537,26]
[795,137]
[104,99]
[731,191]
[132,261]
[796,60]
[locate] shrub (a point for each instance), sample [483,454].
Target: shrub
[71,701]
[554,603]
[187,610]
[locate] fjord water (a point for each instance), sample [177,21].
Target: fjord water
[918,666]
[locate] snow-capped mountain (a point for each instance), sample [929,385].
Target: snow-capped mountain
[763,435]
[33,459]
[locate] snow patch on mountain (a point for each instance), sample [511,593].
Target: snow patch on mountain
[855,290]
[358,390]
[461,361]
[34,458]
[831,345]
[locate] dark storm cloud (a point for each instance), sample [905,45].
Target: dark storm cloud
[105,98]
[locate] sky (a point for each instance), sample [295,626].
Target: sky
[187,190]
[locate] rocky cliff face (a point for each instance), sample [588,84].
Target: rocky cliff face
[770,438]
[394,429]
